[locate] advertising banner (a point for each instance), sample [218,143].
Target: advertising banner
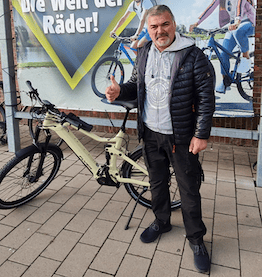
[60,44]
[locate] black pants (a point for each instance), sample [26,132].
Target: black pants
[158,152]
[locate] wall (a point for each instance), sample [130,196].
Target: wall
[235,123]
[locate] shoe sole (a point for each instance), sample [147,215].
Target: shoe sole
[163,231]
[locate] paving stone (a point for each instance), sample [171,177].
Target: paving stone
[5,253]
[251,263]
[42,267]
[42,214]
[226,189]
[90,188]
[207,207]
[110,256]
[243,182]
[11,269]
[220,271]
[61,245]
[56,223]
[59,182]
[73,170]
[207,191]
[225,252]
[4,230]
[243,170]
[225,164]
[188,273]
[20,234]
[78,181]
[209,165]
[139,211]
[63,195]
[93,273]
[17,216]
[33,247]
[134,266]
[119,232]
[225,205]
[97,233]
[82,221]
[78,260]
[74,204]
[112,211]
[248,215]
[225,175]
[98,201]
[225,225]
[250,238]
[246,197]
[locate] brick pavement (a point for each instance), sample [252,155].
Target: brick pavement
[76,227]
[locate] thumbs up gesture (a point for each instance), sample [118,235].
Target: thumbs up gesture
[113,91]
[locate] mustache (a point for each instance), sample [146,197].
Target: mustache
[162,35]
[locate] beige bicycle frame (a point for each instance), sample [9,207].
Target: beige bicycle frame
[114,148]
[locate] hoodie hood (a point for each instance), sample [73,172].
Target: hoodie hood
[181,42]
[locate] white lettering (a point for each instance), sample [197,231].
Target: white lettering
[70,24]
[80,25]
[48,22]
[71,4]
[32,5]
[58,5]
[60,27]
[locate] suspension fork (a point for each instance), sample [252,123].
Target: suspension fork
[43,151]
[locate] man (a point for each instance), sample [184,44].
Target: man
[174,84]
[141,35]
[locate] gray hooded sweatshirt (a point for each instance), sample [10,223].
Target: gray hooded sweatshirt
[157,79]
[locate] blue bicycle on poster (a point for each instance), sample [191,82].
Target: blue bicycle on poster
[244,81]
[108,66]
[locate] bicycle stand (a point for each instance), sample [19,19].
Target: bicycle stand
[132,213]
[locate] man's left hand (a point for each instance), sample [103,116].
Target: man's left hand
[197,145]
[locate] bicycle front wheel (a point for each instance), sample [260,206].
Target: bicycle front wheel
[18,182]
[101,75]
[38,121]
[245,81]
[129,171]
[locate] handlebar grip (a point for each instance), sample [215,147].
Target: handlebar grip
[77,122]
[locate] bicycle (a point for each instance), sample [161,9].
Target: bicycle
[108,66]
[244,81]
[32,123]
[34,167]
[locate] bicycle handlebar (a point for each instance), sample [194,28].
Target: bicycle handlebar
[210,32]
[47,106]
[125,39]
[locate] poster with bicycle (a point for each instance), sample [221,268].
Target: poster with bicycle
[61,45]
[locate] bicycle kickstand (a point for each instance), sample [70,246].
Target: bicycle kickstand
[131,215]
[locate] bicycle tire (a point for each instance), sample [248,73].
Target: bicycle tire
[17,184]
[32,123]
[100,79]
[3,139]
[133,190]
[245,82]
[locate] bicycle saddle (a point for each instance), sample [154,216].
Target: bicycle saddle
[129,105]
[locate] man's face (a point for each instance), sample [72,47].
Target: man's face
[161,29]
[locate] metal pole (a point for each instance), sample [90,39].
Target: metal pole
[8,70]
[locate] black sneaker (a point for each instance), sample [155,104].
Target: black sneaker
[154,230]
[201,258]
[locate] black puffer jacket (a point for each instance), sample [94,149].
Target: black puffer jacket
[192,102]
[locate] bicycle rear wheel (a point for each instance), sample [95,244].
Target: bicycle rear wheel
[38,121]
[245,81]
[18,182]
[3,139]
[130,171]
[101,75]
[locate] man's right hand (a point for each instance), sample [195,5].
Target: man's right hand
[113,91]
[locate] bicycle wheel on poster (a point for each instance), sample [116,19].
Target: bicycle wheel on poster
[245,81]
[101,75]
